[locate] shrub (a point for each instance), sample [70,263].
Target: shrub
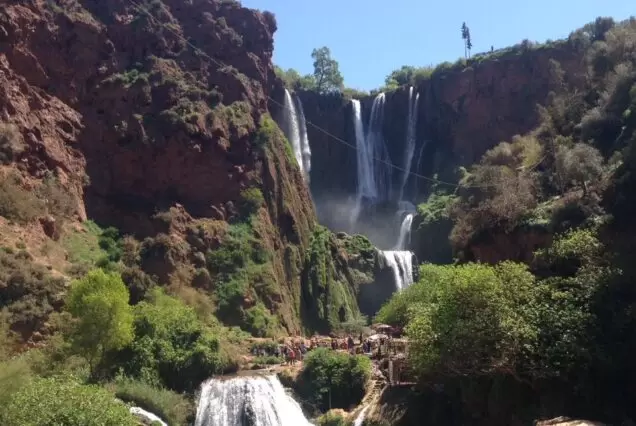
[580,164]
[251,200]
[11,143]
[28,291]
[260,322]
[170,406]
[17,203]
[63,402]
[335,377]
[264,361]
[58,200]
[331,419]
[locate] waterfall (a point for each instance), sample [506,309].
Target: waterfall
[247,401]
[411,129]
[372,156]
[295,128]
[304,140]
[146,416]
[401,262]
[361,416]
[405,232]
[379,160]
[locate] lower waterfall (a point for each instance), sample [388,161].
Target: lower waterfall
[401,262]
[147,417]
[360,418]
[247,401]
[405,232]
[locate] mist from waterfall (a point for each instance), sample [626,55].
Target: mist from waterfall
[295,129]
[401,262]
[247,401]
[411,129]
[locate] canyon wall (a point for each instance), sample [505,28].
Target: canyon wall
[463,111]
[153,116]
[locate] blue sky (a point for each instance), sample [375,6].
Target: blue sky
[370,38]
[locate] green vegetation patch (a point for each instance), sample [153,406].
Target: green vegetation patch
[331,379]
[64,402]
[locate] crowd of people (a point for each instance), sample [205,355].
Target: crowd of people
[293,351]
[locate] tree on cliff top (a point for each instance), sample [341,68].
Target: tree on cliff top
[467,41]
[326,71]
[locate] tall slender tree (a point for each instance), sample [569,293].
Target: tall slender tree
[465,37]
[469,43]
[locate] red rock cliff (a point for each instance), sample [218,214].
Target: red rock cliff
[139,113]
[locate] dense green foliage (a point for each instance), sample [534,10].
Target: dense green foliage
[171,346]
[99,304]
[332,379]
[63,402]
[432,225]
[328,299]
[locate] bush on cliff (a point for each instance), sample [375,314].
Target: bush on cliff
[28,291]
[331,379]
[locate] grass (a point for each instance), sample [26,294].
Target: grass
[83,247]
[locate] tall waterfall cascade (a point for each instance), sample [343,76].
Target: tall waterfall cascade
[295,129]
[247,401]
[411,129]
[401,262]
[372,155]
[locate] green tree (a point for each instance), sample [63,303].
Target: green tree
[580,164]
[465,38]
[172,347]
[334,380]
[326,71]
[103,317]
[294,81]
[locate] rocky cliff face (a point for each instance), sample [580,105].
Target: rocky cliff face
[462,113]
[153,115]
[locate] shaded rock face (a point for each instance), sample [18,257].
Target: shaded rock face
[154,116]
[462,113]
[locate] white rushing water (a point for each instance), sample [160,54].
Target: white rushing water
[401,262]
[361,416]
[247,401]
[295,128]
[411,129]
[304,140]
[146,417]
[405,232]
[372,156]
